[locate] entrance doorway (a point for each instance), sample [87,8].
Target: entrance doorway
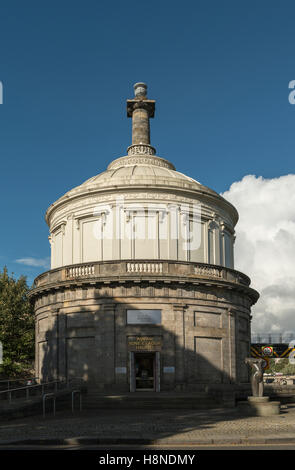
[144,371]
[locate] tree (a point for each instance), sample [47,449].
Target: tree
[281,365]
[16,325]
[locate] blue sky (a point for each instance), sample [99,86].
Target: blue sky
[219,71]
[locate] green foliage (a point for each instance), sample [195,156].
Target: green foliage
[289,369]
[282,365]
[16,325]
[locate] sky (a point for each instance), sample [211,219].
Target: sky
[219,72]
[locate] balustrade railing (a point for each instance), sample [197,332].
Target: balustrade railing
[80,271]
[105,269]
[208,271]
[273,338]
[156,268]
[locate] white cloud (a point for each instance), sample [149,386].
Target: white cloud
[265,247]
[35,262]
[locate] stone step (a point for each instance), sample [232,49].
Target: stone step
[152,406]
[94,400]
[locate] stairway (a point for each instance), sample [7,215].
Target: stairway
[94,400]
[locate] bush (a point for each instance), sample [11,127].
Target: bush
[17,328]
[281,365]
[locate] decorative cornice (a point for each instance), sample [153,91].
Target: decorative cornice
[162,198]
[180,307]
[185,193]
[136,157]
[141,103]
[141,149]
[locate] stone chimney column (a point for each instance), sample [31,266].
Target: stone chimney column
[140,109]
[140,126]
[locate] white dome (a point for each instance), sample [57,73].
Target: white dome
[139,172]
[141,208]
[157,186]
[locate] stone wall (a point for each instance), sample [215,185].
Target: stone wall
[81,331]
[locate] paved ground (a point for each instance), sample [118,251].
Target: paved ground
[102,450]
[170,427]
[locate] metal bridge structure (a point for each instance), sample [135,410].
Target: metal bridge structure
[272,346]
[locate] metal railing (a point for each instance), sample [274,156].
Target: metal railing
[75,392]
[48,396]
[55,385]
[269,338]
[27,388]
[8,382]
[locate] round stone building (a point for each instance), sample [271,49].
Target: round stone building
[142,293]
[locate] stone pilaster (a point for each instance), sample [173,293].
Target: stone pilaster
[180,373]
[53,350]
[105,343]
[62,354]
[37,359]
[232,345]
[121,353]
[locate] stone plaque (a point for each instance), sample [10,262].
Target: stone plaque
[148,317]
[144,343]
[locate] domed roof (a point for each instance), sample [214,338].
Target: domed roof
[141,173]
[141,169]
